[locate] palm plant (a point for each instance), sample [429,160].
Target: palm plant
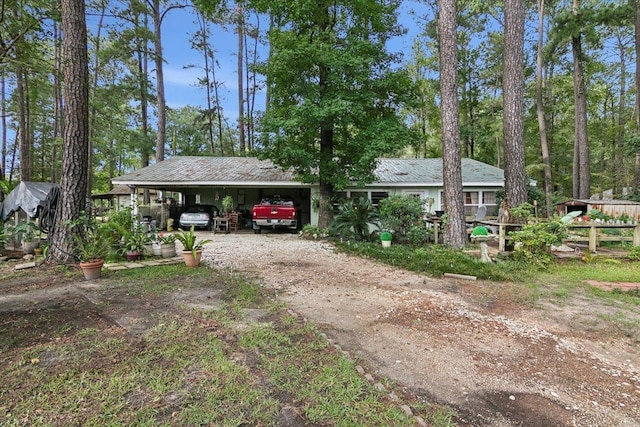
[356,218]
[190,241]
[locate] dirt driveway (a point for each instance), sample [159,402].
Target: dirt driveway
[453,342]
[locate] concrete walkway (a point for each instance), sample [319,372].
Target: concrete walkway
[144,263]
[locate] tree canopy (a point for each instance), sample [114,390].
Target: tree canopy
[335,91]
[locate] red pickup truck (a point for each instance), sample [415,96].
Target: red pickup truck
[275,212]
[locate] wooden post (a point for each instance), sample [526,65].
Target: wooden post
[593,236]
[502,237]
[636,235]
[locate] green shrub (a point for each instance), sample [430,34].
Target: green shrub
[386,236]
[354,218]
[314,232]
[402,214]
[418,234]
[634,253]
[535,240]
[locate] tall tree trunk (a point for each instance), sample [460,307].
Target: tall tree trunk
[216,92]
[94,111]
[143,73]
[267,84]
[513,89]
[326,162]
[618,169]
[636,26]
[3,120]
[251,86]
[455,232]
[581,166]
[325,211]
[23,131]
[202,21]
[542,123]
[30,124]
[162,104]
[240,30]
[58,102]
[73,187]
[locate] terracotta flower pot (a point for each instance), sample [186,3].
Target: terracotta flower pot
[190,260]
[134,255]
[92,269]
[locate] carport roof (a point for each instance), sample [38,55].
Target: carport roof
[185,171]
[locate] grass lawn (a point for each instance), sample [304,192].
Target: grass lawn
[242,360]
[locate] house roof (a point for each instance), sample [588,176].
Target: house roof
[405,172]
[185,171]
[249,171]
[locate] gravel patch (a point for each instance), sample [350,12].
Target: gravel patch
[524,368]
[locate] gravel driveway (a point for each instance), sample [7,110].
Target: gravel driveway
[495,365]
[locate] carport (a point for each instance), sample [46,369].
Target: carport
[208,180]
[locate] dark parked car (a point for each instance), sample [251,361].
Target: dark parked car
[200,216]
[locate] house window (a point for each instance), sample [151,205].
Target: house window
[338,197]
[489,197]
[376,196]
[473,199]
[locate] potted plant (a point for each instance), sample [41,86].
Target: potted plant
[135,242]
[191,247]
[385,239]
[29,233]
[227,204]
[91,244]
[153,247]
[167,245]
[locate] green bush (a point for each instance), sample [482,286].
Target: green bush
[634,253]
[314,232]
[535,240]
[418,234]
[402,214]
[354,218]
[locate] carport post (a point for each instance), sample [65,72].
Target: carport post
[134,202]
[161,198]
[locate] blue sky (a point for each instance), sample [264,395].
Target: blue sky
[180,83]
